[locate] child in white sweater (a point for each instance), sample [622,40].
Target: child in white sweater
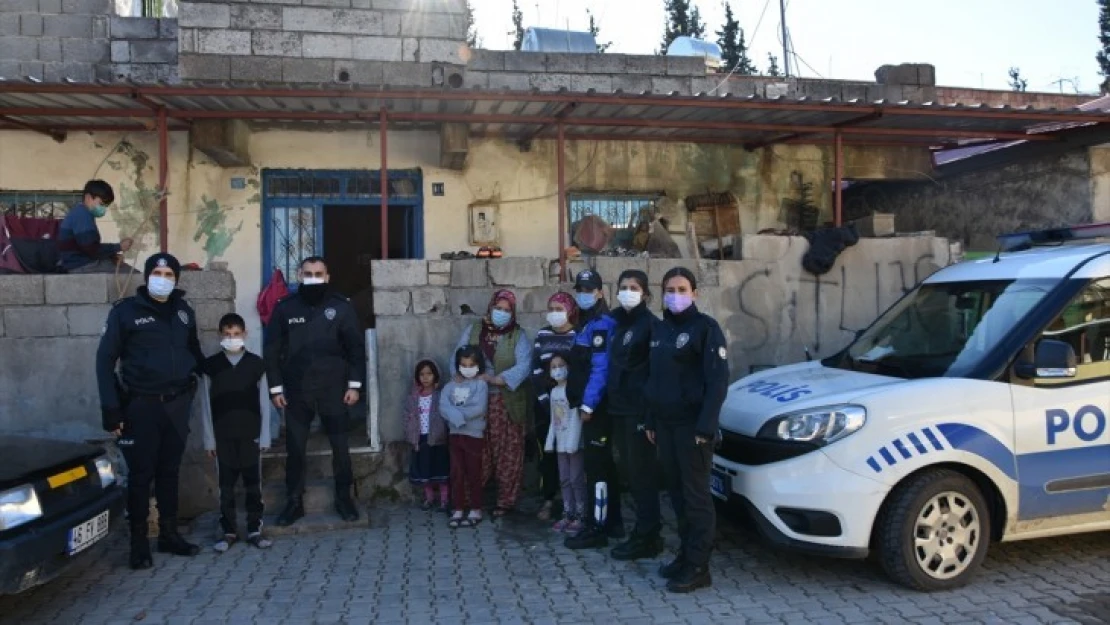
[565,438]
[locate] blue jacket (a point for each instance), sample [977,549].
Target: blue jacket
[590,357]
[79,239]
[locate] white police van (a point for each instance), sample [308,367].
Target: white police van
[973,410]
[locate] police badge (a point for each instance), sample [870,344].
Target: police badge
[628,337]
[723,353]
[683,339]
[599,340]
[183,316]
[330,314]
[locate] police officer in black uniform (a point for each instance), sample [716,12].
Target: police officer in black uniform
[153,338]
[686,388]
[315,362]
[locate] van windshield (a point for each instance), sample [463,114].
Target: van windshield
[942,330]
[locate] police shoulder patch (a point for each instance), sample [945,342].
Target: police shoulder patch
[330,314]
[183,316]
[683,339]
[722,352]
[628,337]
[599,340]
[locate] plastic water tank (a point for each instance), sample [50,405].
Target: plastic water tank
[553,40]
[689,46]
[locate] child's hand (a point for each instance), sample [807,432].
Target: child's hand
[211,453]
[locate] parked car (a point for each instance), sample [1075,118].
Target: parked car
[58,500]
[974,410]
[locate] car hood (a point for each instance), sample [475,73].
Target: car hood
[755,399]
[23,458]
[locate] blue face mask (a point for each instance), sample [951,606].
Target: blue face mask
[585,301]
[99,211]
[500,318]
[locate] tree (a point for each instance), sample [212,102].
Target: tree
[472,38]
[734,49]
[773,69]
[1017,83]
[595,30]
[697,25]
[1103,56]
[518,26]
[682,20]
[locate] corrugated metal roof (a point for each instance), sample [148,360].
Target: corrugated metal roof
[525,115]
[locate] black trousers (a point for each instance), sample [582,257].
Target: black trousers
[548,466]
[597,439]
[237,457]
[639,464]
[153,442]
[299,414]
[686,467]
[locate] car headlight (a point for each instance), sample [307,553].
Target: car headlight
[18,506]
[816,425]
[107,473]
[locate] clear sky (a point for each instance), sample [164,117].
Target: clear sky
[972,43]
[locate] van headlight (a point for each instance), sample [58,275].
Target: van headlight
[820,426]
[107,473]
[18,506]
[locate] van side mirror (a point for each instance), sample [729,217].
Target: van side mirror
[1053,360]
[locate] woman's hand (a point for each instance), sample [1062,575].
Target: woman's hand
[650,434]
[700,440]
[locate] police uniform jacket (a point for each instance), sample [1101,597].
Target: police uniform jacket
[155,344]
[688,376]
[628,360]
[589,359]
[314,347]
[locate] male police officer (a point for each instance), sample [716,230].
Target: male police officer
[153,337]
[315,362]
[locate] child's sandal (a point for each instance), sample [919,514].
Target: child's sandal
[456,521]
[473,521]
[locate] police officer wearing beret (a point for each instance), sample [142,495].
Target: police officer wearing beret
[153,338]
[686,387]
[315,362]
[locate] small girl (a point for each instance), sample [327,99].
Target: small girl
[565,438]
[426,430]
[463,404]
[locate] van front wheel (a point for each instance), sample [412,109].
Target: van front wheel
[934,531]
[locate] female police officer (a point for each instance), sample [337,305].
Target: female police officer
[686,386]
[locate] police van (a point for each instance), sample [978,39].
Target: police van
[973,410]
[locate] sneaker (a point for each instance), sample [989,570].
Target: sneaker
[225,543]
[561,525]
[258,540]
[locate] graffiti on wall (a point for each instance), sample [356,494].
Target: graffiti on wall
[213,229]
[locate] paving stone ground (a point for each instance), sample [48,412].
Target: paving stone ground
[410,568]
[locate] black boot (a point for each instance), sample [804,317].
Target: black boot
[140,549]
[169,541]
[294,509]
[673,568]
[638,546]
[593,537]
[346,508]
[690,579]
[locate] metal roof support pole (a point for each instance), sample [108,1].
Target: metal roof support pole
[383,123]
[838,160]
[163,175]
[560,159]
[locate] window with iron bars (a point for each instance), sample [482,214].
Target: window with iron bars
[38,204]
[622,211]
[146,8]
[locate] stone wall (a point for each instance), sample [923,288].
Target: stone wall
[144,49]
[53,40]
[770,309]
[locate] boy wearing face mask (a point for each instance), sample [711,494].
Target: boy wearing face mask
[79,246]
[236,428]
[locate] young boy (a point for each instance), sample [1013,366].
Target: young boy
[236,428]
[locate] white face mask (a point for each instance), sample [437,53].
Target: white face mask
[630,299]
[309,280]
[557,318]
[559,374]
[468,372]
[160,287]
[232,345]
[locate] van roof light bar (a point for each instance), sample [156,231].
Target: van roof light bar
[1018,241]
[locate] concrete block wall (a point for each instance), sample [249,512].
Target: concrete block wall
[144,49]
[52,40]
[604,73]
[394,42]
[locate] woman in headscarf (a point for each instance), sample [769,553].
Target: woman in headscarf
[508,352]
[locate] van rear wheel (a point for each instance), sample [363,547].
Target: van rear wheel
[934,531]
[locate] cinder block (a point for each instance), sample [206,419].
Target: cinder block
[21,290]
[667,85]
[19,48]
[276,44]
[77,289]
[254,68]
[87,7]
[251,17]
[651,65]
[362,4]
[133,27]
[410,50]
[605,63]
[610,268]
[35,322]
[328,3]
[204,67]
[516,61]
[210,311]
[441,51]
[602,83]
[85,51]
[509,81]
[399,273]
[30,25]
[469,273]
[9,24]
[87,320]
[187,41]
[224,41]
[304,19]
[78,72]
[658,267]
[632,83]
[709,272]
[524,272]
[377,49]
[468,301]
[565,63]
[123,286]
[50,50]
[197,15]
[487,60]
[407,74]
[326,46]
[391,303]
[685,66]
[439,279]
[360,72]
[100,26]
[46,7]
[200,285]
[439,266]
[121,51]
[167,28]
[306,70]
[429,301]
[153,51]
[34,69]
[551,82]
[535,300]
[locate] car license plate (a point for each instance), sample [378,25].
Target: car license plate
[87,533]
[720,484]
